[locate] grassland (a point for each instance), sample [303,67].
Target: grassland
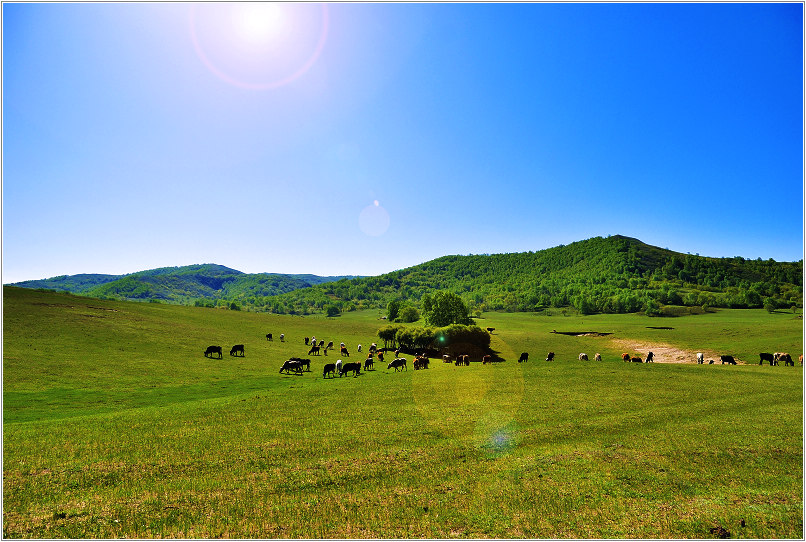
[116,425]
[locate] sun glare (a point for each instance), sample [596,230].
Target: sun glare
[259,23]
[258,45]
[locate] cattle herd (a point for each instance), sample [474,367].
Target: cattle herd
[298,366]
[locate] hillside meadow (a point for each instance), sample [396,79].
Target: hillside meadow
[116,425]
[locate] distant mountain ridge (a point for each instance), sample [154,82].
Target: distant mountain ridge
[614,274]
[186,284]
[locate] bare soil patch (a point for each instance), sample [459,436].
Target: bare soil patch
[663,353]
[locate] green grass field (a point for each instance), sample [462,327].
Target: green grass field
[116,425]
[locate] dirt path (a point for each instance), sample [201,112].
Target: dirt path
[662,353]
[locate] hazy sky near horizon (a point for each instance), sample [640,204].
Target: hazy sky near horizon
[363,138]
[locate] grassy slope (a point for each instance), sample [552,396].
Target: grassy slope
[115,424]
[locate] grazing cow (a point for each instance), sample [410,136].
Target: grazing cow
[787,359]
[583,357]
[486,359]
[354,367]
[490,329]
[550,357]
[398,364]
[236,349]
[282,337]
[307,339]
[344,351]
[373,347]
[446,358]
[727,359]
[269,337]
[329,345]
[321,343]
[369,364]
[380,356]
[524,357]
[597,357]
[700,358]
[330,369]
[650,358]
[292,365]
[338,365]
[420,362]
[213,350]
[313,350]
[636,360]
[302,363]
[778,356]
[710,362]
[765,356]
[626,357]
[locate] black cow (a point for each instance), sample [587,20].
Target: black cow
[490,329]
[292,365]
[727,359]
[314,350]
[269,337]
[765,356]
[650,358]
[235,350]
[355,367]
[330,369]
[636,360]
[344,351]
[213,350]
[369,364]
[524,357]
[550,357]
[303,363]
[307,339]
[398,364]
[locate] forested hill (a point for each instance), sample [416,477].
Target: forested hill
[204,284]
[615,274]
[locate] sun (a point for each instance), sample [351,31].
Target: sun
[258,45]
[259,24]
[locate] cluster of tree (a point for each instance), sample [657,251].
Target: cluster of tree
[455,337]
[399,311]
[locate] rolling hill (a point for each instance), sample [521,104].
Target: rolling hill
[614,274]
[206,284]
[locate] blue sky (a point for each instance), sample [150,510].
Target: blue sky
[364,138]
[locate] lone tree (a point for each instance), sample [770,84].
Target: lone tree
[445,308]
[392,310]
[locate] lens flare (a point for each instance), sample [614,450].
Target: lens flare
[374,220]
[261,45]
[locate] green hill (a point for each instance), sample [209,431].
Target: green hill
[615,274]
[205,284]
